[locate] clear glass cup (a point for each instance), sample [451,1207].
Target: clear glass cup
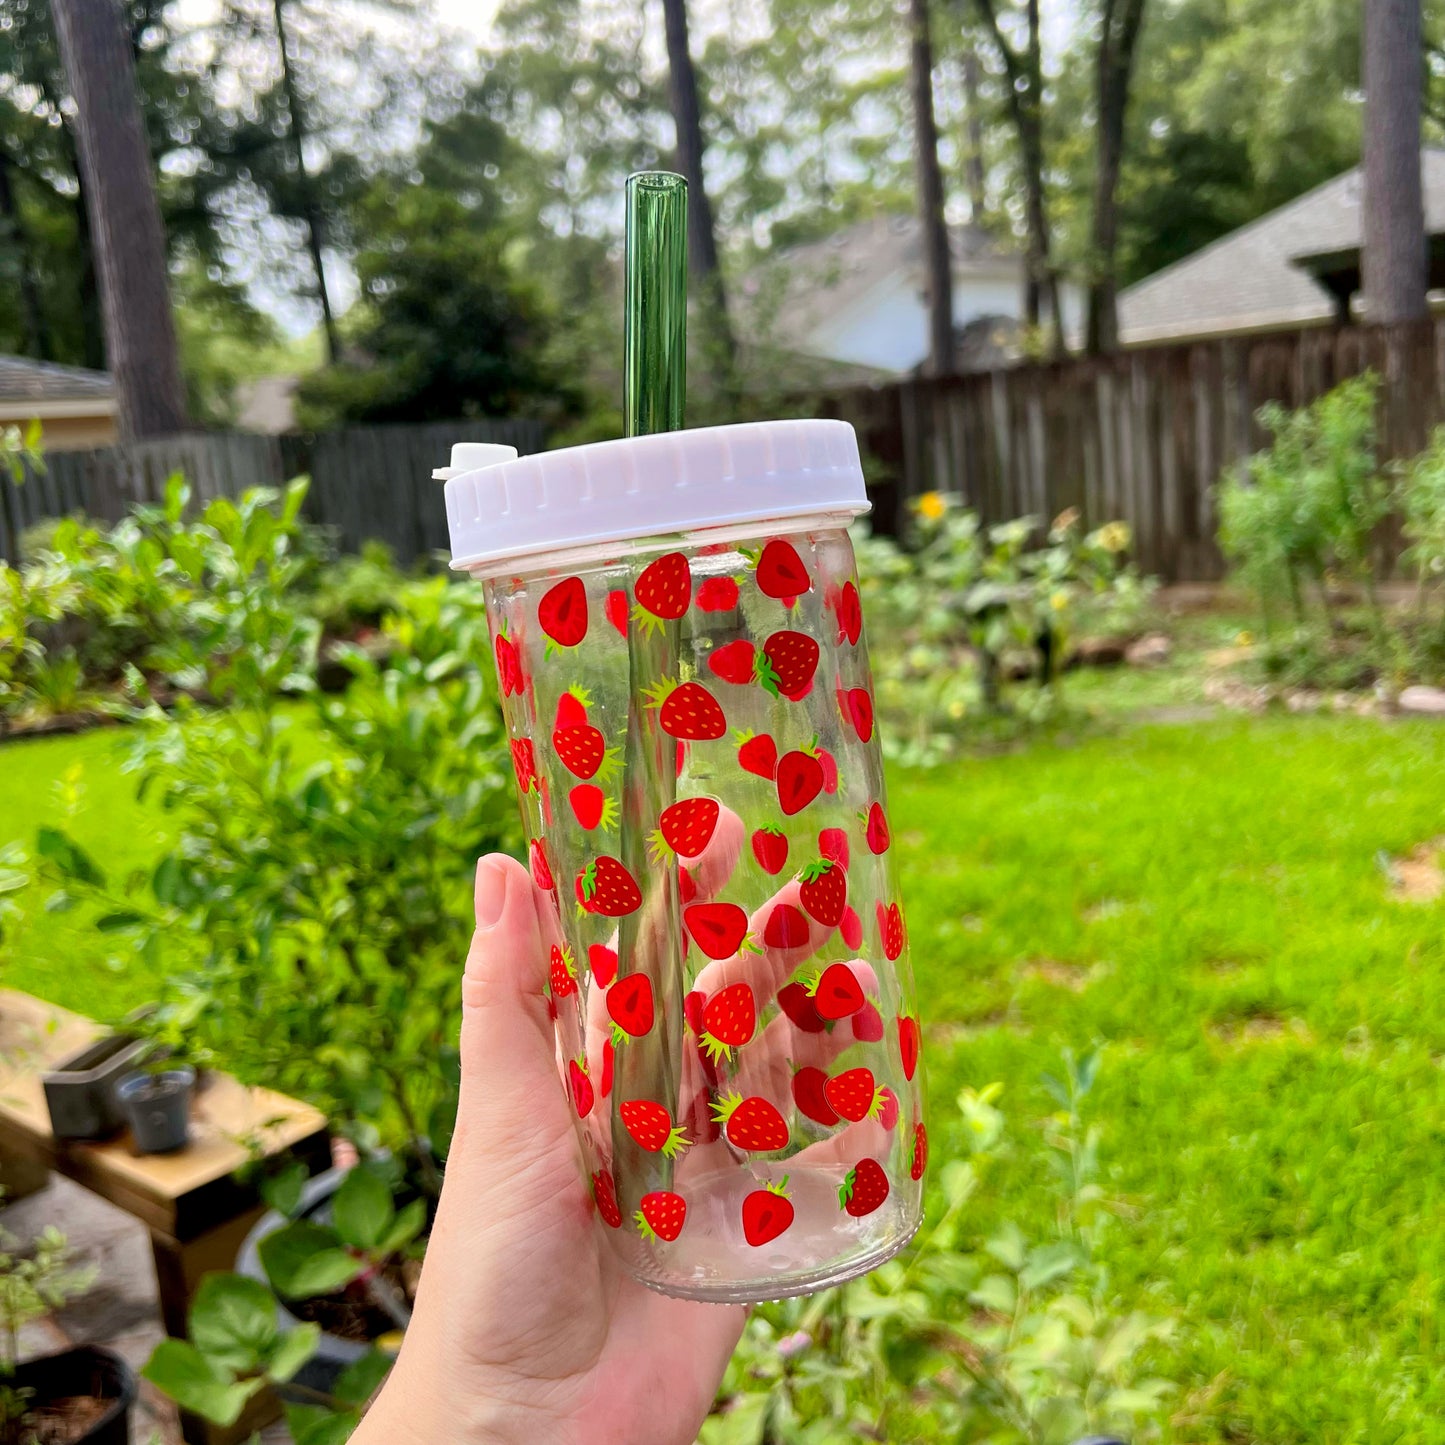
[690,719]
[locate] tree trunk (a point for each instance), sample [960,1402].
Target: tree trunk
[973,138]
[1393,257]
[1118,40]
[296,127]
[702,253]
[37,338]
[938,260]
[127,235]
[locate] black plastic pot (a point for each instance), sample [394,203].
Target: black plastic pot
[158,1108]
[87,1370]
[80,1089]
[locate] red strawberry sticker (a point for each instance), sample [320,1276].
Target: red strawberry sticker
[562,612]
[823,891]
[509,665]
[603,963]
[604,886]
[800,780]
[770,848]
[685,828]
[604,1191]
[629,1005]
[780,571]
[868,1024]
[888,1109]
[719,929]
[663,591]
[851,928]
[604,1087]
[858,710]
[571,708]
[692,1010]
[810,1095]
[524,764]
[662,1213]
[877,829]
[908,1042]
[581,1086]
[791,659]
[864,1189]
[652,1128]
[687,711]
[833,843]
[890,930]
[686,888]
[757,755]
[829,765]
[797,1003]
[920,1151]
[616,609]
[767,1212]
[786,927]
[733,663]
[561,972]
[849,612]
[541,869]
[853,1093]
[728,1021]
[592,807]
[717,594]
[583,750]
[752,1123]
[837,993]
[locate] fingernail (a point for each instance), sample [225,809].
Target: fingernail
[490,895]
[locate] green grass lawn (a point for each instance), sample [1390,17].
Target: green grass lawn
[1206,900]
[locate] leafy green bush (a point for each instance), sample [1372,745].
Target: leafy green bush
[1009,1340]
[312,911]
[355,592]
[957,612]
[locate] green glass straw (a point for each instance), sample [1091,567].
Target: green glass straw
[655,306]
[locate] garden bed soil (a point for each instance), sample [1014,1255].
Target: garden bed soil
[65,1420]
[353,1315]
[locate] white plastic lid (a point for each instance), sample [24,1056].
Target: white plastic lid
[684,481]
[468,456]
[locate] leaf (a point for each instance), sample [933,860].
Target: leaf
[68,856]
[178,1369]
[233,1322]
[409,1223]
[742,1423]
[1047,1263]
[291,1350]
[302,1260]
[362,1210]
[313,1425]
[282,1190]
[111,922]
[995,1293]
[358,1382]
[168,881]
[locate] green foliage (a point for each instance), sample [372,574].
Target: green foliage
[1422,501]
[34,1281]
[307,940]
[235,1348]
[1001,1338]
[209,605]
[355,591]
[952,616]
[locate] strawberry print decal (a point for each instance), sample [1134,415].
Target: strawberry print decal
[719,929]
[524,765]
[728,1021]
[787,927]
[662,1213]
[752,1124]
[662,592]
[717,594]
[876,829]
[592,808]
[854,1094]
[920,1151]
[850,926]
[561,972]
[767,1212]
[823,891]
[562,612]
[684,829]
[757,754]
[605,886]
[604,1191]
[780,572]
[509,664]
[837,994]
[810,1094]
[652,1128]
[770,848]
[833,843]
[687,711]
[800,779]
[890,930]
[783,667]
[908,1042]
[629,1006]
[603,963]
[580,1086]
[856,705]
[797,1003]
[615,608]
[865,1188]
[848,609]
[541,868]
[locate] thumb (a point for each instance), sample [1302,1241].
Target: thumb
[512,1101]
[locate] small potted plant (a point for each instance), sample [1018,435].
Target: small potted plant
[81,1396]
[157,1106]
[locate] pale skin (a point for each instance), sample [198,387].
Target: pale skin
[526,1327]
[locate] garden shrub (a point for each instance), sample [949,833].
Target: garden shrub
[957,611]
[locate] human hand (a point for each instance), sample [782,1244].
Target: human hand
[526,1326]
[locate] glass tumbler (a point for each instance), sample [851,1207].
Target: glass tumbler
[682,664]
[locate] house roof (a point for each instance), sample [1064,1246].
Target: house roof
[1249,280]
[803,287]
[43,388]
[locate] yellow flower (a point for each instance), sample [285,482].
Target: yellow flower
[1244,639]
[1114,536]
[1058,601]
[932,506]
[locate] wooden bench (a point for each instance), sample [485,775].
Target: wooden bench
[198,1204]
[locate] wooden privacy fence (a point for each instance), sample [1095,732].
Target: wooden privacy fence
[1143,435]
[366,482]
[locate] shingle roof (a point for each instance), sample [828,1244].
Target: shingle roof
[23,381]
[1246,281]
